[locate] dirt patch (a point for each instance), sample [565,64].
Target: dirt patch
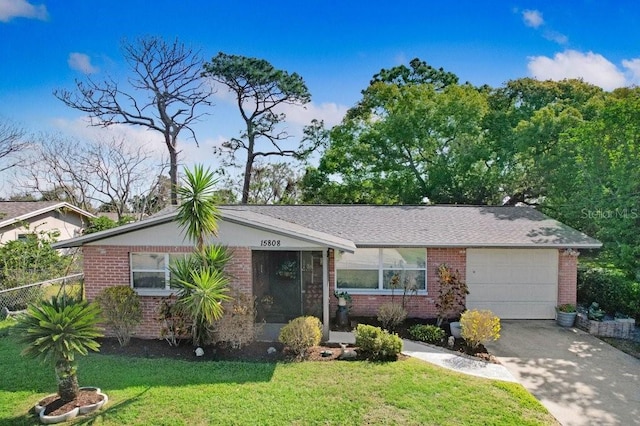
[54,406]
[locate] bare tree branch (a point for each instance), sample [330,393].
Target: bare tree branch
[166,89]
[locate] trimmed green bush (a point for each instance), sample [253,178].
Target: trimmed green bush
[300,334]
[121,311]
[391,315]
[427,333]
[377,344]
[610,288]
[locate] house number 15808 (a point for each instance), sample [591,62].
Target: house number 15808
[269,243]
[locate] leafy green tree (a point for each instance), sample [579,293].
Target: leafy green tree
[31,260]
[404,144]
[200,279]
[260,91]
[57,330]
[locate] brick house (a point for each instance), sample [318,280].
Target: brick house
[515,260]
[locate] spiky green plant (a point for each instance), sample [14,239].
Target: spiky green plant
[197,212]
[201,295]
[55,331]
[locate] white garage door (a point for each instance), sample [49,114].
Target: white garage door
[513,283]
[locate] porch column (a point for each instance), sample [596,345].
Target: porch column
[325,295]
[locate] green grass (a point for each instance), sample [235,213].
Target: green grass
[168,392]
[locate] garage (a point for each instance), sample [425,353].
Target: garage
[513,283]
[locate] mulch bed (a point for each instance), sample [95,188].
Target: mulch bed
[258,351]
[54,406]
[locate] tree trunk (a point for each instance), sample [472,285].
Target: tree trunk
[173,173]
[247,174]
[67,381]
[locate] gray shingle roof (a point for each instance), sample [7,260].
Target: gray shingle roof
[431,226]
[378,226]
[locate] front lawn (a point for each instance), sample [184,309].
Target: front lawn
[170,392]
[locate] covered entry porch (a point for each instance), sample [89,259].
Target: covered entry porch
[288,284]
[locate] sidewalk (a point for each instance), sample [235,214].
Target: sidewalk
[441,357]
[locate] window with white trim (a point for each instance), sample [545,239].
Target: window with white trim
[150,271]
[374,269]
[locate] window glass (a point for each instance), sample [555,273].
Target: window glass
[354,278]
[147,261]
[361,259]
[149,280]
[374,269]
[401,258]
[412,280]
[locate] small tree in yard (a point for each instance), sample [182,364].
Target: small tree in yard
[201,282]
[56,331]
[121,310]
[451,294]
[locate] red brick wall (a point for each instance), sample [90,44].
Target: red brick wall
[107,266]
[567,277]
[418,306]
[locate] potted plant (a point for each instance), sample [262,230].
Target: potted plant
[343,297]
[566,314]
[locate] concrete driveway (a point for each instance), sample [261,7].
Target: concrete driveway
[580,379]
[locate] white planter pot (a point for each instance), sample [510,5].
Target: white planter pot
[456,329]
[342,301]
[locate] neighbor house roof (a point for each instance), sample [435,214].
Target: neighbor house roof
[378,226]
[17,211]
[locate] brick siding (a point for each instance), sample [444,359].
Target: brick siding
[567,277]
[108,266]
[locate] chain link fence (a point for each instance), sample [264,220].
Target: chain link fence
[16,299]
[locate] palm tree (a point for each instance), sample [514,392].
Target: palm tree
[197,212]
[55,331]
[199,278]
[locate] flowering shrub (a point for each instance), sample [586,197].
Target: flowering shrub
[479,327]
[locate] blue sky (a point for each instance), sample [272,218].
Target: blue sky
[335,45]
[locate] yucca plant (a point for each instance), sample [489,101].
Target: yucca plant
[199,278]
[55,331]
[201,295]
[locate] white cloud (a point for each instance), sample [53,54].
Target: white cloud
[591,67]
[10,9]
[532,18]
[81,62]
[555,36]
[633,70]
[331,113]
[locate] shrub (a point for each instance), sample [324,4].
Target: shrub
[376,343]
[610,288]
[237,326]
[427,333]
[300,334]
[391,315]
[175,323]
[121,311]
[479,327]
[452,293]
